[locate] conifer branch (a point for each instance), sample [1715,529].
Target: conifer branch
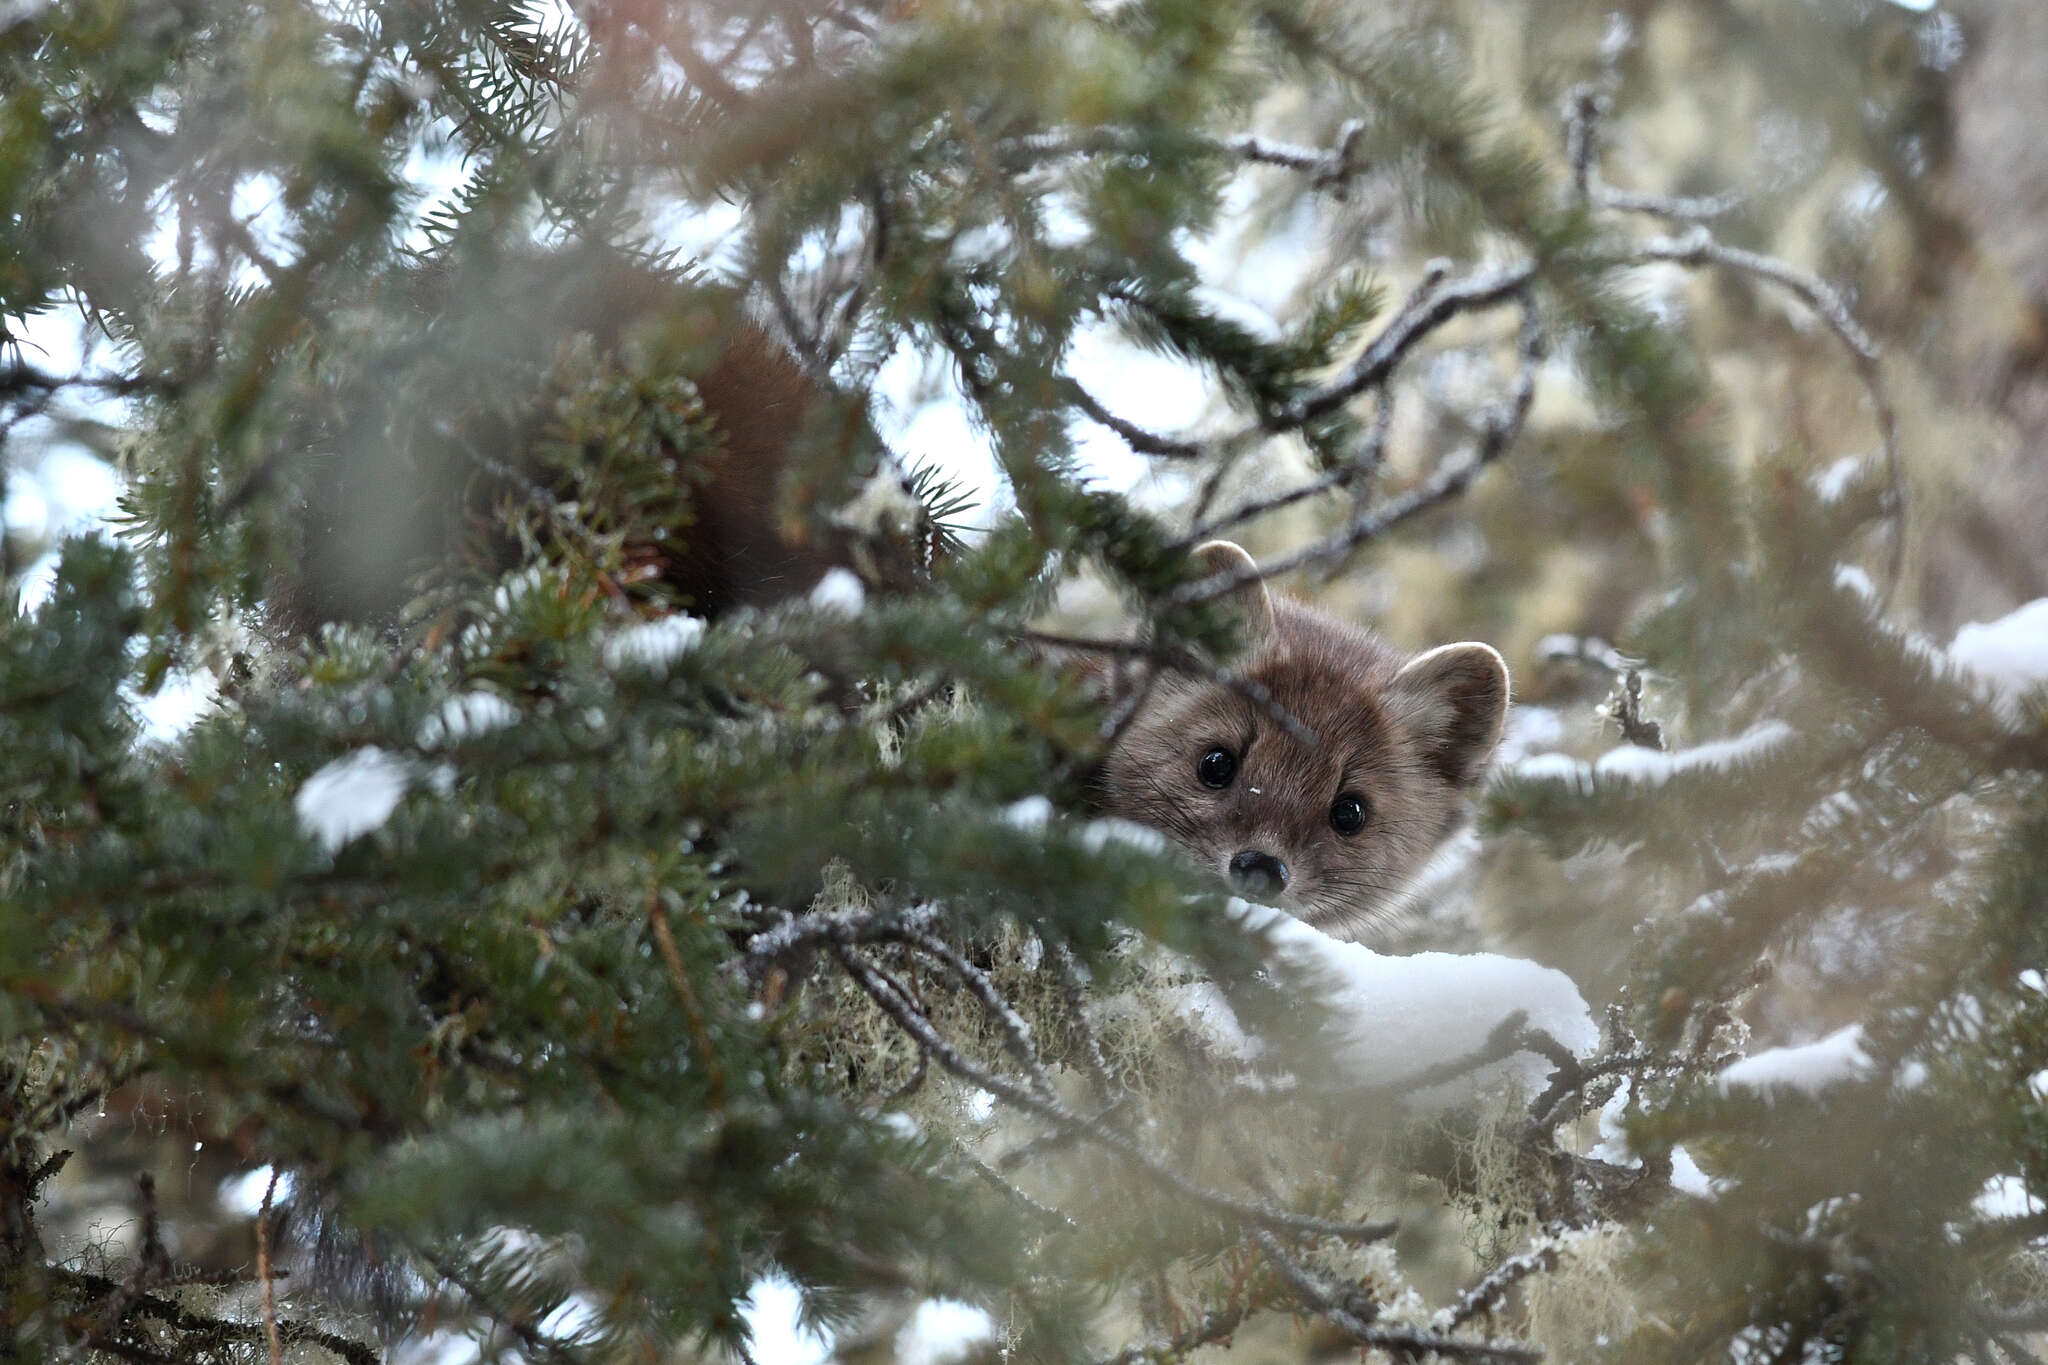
[1327,168]
[896,1003]
[1469,293]
[1336,1306]
[1489,1291]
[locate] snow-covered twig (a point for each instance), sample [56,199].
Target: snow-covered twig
[1073,980]
[1016,1033]
[1329,167]
[1332,1305]
[1487,1292]
[1214,1327]
[799,934]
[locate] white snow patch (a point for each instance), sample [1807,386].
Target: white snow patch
[1396,1017]
[1205,1011]
[1688,1178]
[942,1331]
[1917,6]
[2008,657]
[900,1125]
[1636,764]
[1031,815]
[351,796]
[2005,1196]
[1529,729]
[242,1195]
[2037,1085]
[466,715]
[1552,768]
[1832,482]
[436,1348]
[184,696]
[1853,578]
[1613,1145]
[1809,1068]
[884,507]
[1098,835]
[839,593]
[574,1318]
[653,645]
[771,1311]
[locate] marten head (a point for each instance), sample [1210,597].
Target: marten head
[1328,824]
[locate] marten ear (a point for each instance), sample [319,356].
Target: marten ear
[1455,700]
[1221,558]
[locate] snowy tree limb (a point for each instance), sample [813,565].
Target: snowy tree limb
[896,1003]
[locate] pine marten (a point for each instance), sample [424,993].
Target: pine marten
[1331,830]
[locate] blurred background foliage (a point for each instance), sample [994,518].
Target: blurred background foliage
[284,268]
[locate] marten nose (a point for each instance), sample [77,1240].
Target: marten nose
[1255,872]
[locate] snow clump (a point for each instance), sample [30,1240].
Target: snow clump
[653,645]
[1396,1018]
[464,716]
[2008,658]
[1634,763]
[839,593]
[1809,1068]
[352,796]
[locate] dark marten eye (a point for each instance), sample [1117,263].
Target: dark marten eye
[1347,813]
[1216,768]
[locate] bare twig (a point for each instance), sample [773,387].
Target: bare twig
[1481,290]
[1699,247]
[1355,473]
[1135,436]
[1180,661]
[1451,478]
[263,1273]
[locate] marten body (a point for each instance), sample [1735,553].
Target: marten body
[407,489]
[407,469]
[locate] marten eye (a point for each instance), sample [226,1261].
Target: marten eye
[1347,813]
[1216,768]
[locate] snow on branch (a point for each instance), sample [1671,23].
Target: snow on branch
[1410,1025]
[1637,766]
[352,796]
[1809,1068]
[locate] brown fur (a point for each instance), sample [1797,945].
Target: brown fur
[398,493]
[1411,736]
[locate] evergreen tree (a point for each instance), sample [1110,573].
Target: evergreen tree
[512,954]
